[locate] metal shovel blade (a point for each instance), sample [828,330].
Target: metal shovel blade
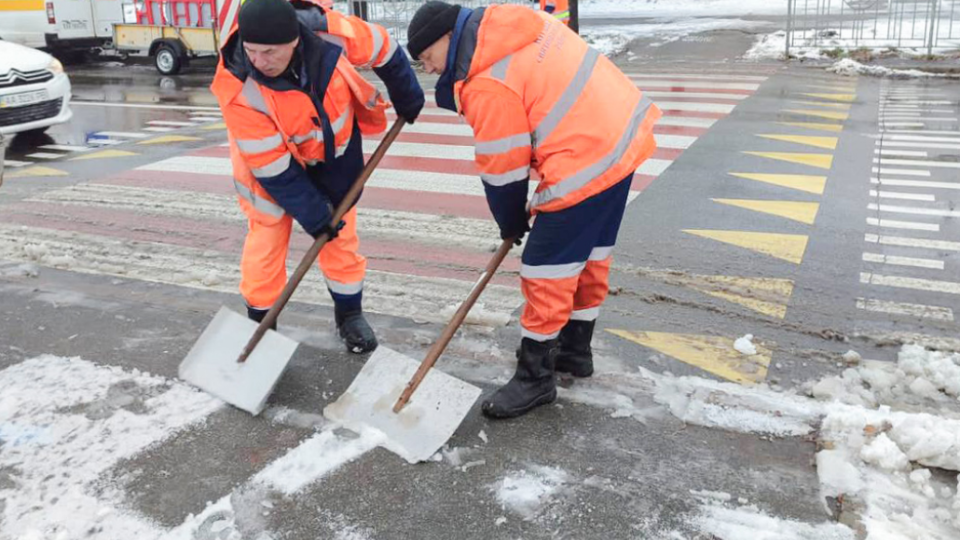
[212,363]
[419,429]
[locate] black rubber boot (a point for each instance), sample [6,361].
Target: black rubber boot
[576,356]
[531,386]
[257,316]
[355,331]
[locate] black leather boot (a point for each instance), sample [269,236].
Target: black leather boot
[257,315]
[576,356]
[355,331]
[531,386]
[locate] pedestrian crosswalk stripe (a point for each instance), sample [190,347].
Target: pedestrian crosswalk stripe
[800,182]
[829,115]
[121,134]
[820,161]
[903,308]
[836,128]
[65,148]
[713,354]
[787,247]
[833,97]
[36,171]
[104,154]
[894,260]
[804,212]
[212,127]
[44,155]
[828,143]
[909,225]
[913,210]
[917,284]
[170,139]
[884,240]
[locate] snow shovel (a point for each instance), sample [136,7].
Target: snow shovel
[380,396]
[240,361]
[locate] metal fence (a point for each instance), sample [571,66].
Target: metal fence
[925,25]
[395,15]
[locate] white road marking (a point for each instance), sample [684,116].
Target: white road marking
[143,106]
[45,155]
[901,308]
[920,163]
[917,117]
[657,83]
[901,124]
[65,148]
[698,107]
[942,245]
[912,225]
[171,123]
[926,132]
[905,153]
[917,284]
[915,183]
[721,77]
[904,172]
[913,210]
[900,195]
[929,146]
[122,134]
[922,138]
[159,129]
[903,261]
[105,142]
[697,95]
[15,163]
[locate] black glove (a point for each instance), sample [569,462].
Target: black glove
[331,232]
[516,231]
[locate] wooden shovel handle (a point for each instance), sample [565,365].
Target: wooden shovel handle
[453,325]
[345,205]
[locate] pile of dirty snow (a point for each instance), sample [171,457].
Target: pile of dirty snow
[850,68]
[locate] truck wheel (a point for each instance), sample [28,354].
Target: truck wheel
[167,60]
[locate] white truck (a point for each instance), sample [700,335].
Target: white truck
[63,25]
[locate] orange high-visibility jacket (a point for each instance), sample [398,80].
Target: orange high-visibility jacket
[366,45]
[558,8]
[538,98]
[276,128]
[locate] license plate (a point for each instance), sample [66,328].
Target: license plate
[26,98]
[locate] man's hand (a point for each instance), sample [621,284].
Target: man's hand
[331,232]
[516,232]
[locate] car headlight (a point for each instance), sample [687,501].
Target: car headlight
[55,66]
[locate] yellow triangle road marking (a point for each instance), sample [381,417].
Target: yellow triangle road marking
[804,212]
[836,128]
[800,182]
[103,154]
[768,296]
[211,127]
[828,143]
[787,247]
[834,97]
[709,353]
[820,161]
[829,115]
[35,171]
[842,106]
[170,139]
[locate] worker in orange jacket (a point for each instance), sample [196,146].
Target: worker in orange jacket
[295,109]
[557,8]
[542,103]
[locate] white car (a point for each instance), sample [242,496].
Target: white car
[34,90]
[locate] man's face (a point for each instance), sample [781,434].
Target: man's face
[434,57]
[271,60]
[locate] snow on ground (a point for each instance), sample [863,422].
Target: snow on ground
[850,68]
[612,40]
[64,422]
[749,523]
[527,491]
[618,9]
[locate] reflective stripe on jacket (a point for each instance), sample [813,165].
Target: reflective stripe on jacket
[560,9]
[539,98]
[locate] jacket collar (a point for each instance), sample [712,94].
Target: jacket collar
[455,57]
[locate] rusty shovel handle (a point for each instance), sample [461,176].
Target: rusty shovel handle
[434,354]
[348,201]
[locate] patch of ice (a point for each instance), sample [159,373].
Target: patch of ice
[483,436]
[749,523]
[527,491]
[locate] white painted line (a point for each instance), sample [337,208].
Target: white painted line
[216,113]
[121,134]
[143,106]
[919,101]
[911,225]
[718,76]
[922,132]
[912,109]
[697,107]
[676,83]
[105,142]
[905,153]
[654,167]
[900,308]
[920,163]
[921,138]
[913,210]
[903,261]
[171,123]
[904,172]
[908,115]
[65,148]
[439,129]
[206,118]
[943,245]
[681,142]
[905,196]
[902,124]
[915,183]
[929,146]
[15,163]
[418,150]
[45,155]
[917,284]
[192,164]
[159,129]
[698,95]
[886,119]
